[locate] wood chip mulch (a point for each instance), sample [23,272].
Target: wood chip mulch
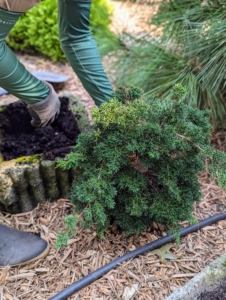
[146,277]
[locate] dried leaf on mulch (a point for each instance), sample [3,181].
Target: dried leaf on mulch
[164,254]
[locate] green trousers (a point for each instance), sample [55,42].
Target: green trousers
[78,45]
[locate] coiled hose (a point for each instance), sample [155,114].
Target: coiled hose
[75,287]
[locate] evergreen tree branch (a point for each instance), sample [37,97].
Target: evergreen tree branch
[187,139]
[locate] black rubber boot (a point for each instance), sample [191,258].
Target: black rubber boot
[19,247]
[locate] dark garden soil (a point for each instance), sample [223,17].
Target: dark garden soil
[18,138]
[218,293]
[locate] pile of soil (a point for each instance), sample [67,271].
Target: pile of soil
[217,294]
[18,138]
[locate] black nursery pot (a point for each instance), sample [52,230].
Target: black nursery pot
[28,173]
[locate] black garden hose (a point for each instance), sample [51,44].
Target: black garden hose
[75,287]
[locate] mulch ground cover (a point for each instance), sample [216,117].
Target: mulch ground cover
[147,277]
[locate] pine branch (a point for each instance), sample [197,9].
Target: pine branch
[187,139]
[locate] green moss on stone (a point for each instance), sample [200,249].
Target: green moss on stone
[28,159]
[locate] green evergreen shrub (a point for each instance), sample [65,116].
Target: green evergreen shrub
[37,29]
[139,162]
[63,237]
[189,50]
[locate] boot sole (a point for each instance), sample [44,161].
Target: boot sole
[40,256]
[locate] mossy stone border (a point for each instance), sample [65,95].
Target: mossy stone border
[207,280]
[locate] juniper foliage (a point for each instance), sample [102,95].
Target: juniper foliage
[63,237]
[139,162]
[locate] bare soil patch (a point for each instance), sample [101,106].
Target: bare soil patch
[19,138]
[218,293]
[133,18]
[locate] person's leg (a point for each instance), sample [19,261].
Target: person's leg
[18,6]
[81,50]
[43,101]
[13,76]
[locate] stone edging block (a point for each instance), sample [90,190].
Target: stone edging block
[207,280]
[24,185]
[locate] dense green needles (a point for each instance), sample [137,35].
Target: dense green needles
[139,162]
